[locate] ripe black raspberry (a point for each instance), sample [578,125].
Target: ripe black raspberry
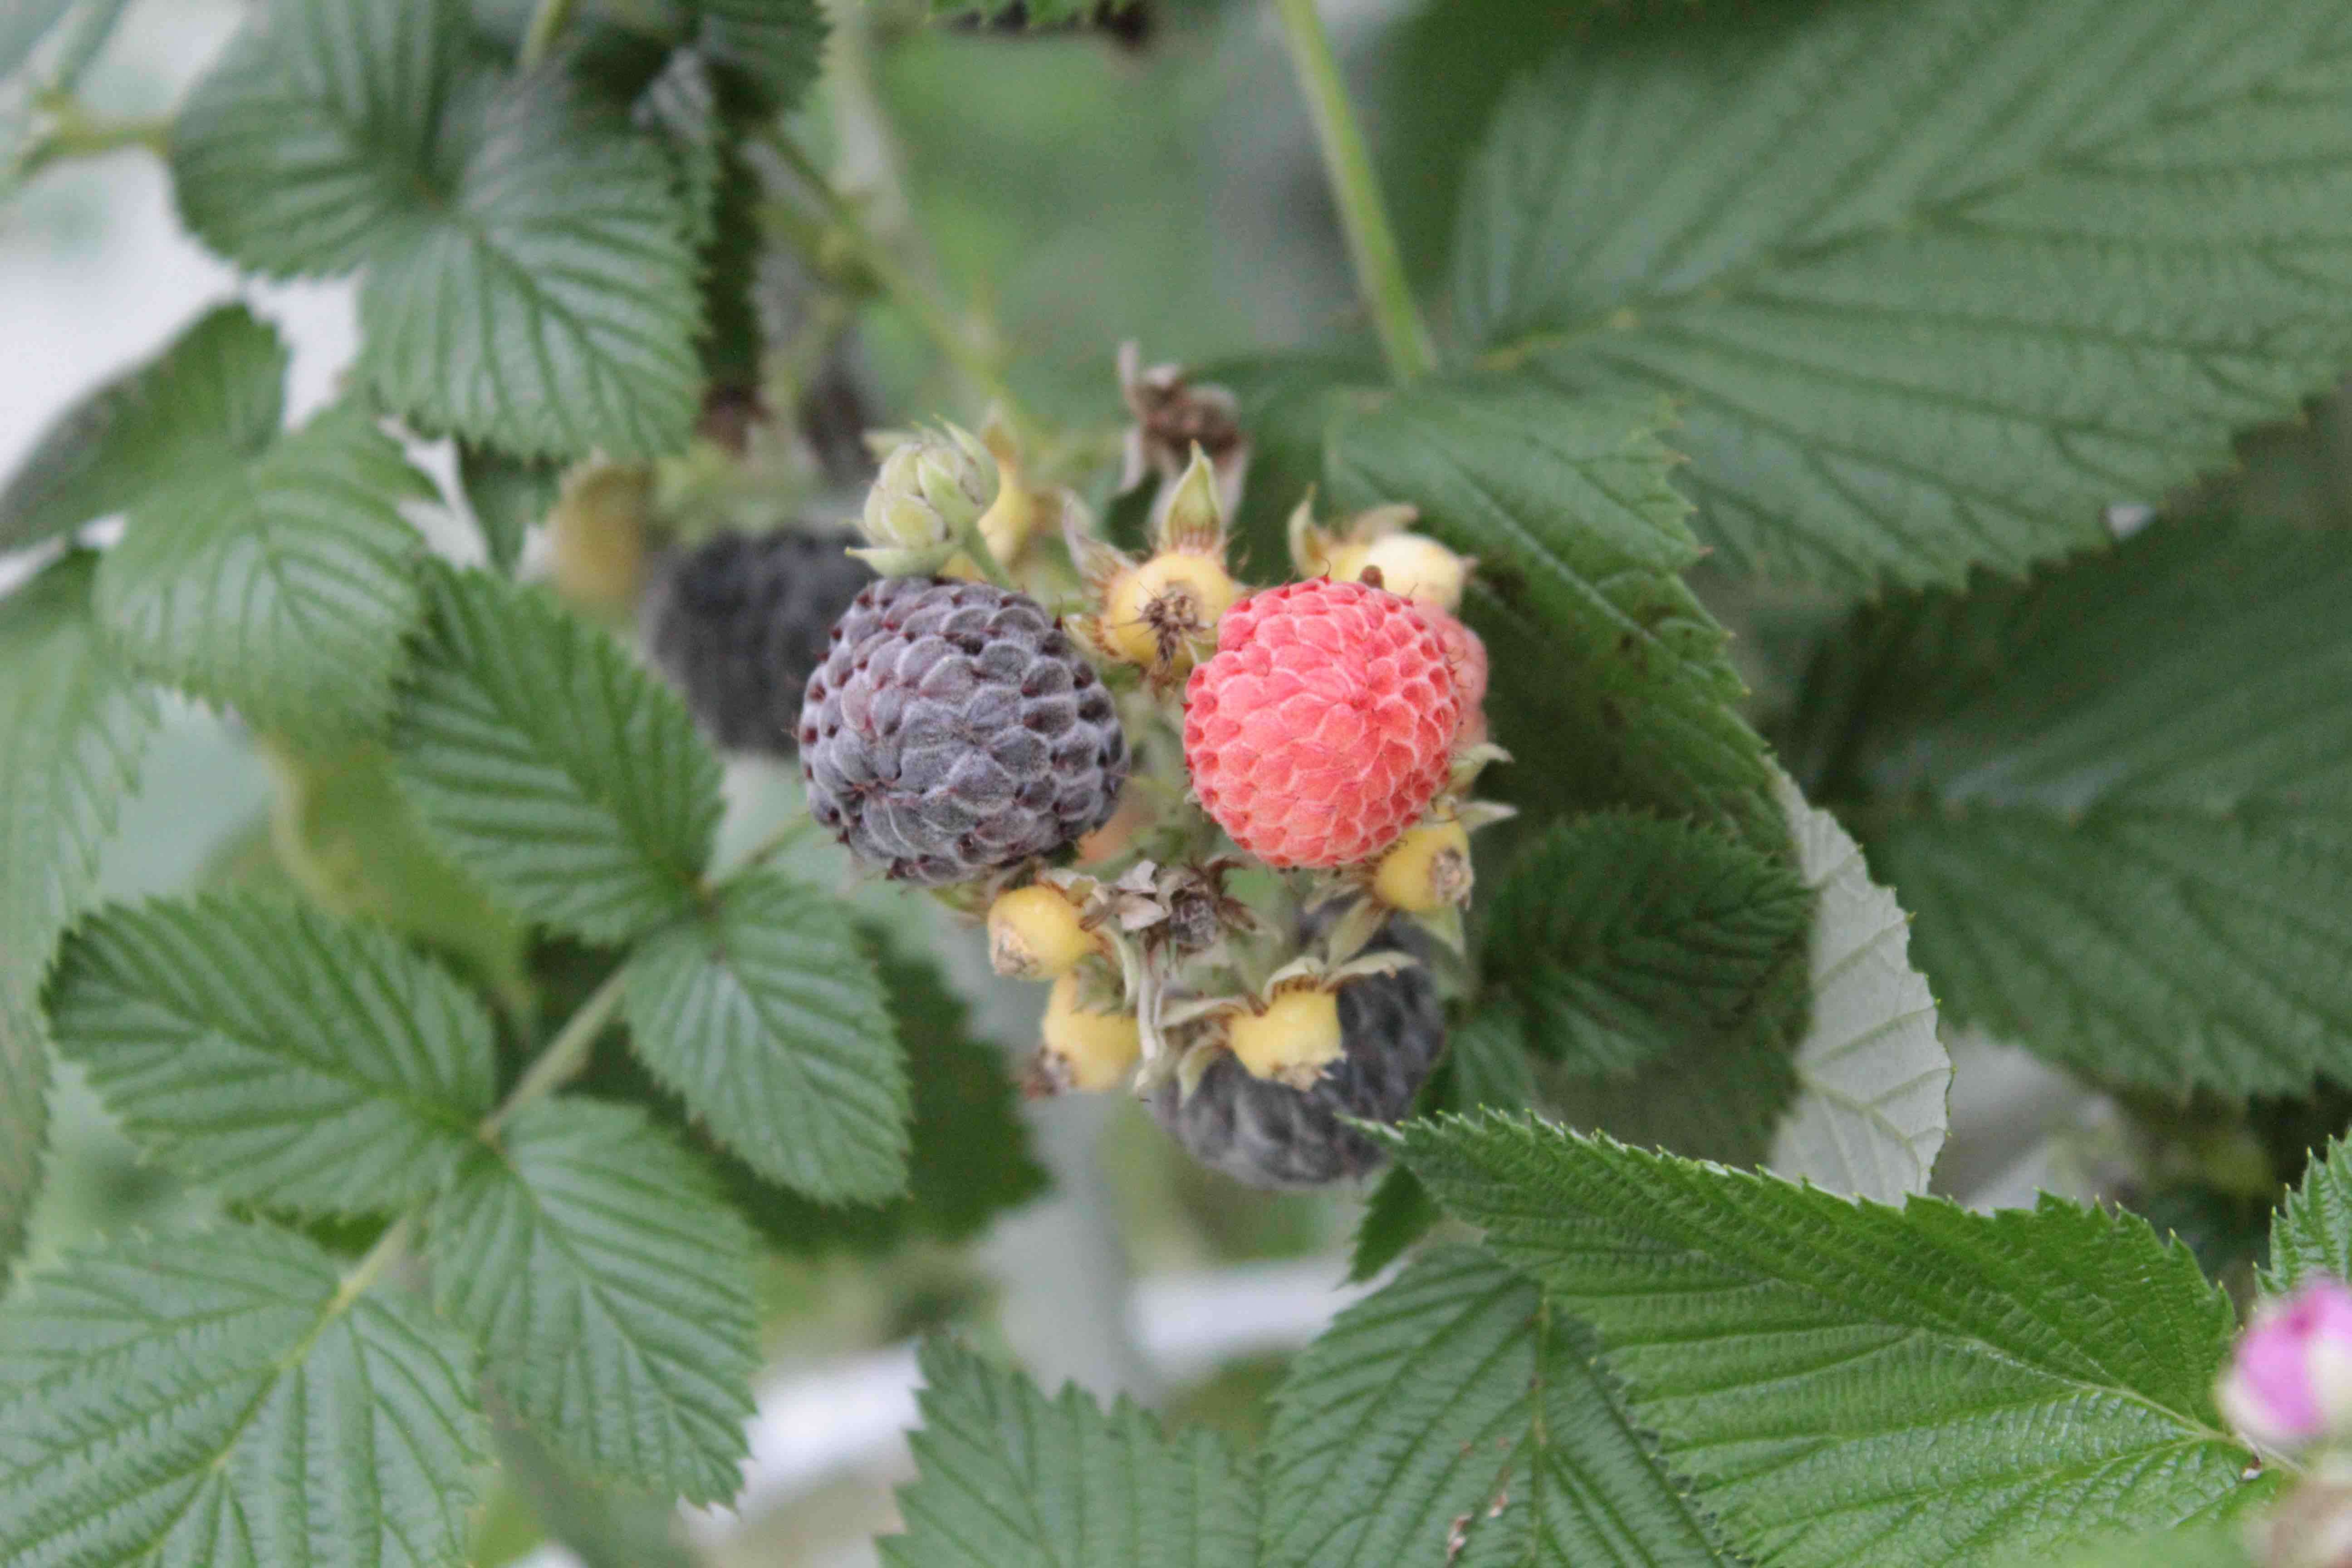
[953,730]
[1264,1132]
[738,623]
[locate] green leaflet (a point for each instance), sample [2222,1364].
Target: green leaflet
[529,278]
[1931,283]
[1849,1382]
[2311,1235]
[765,1015]
[552,767]
[282,585]
[1622,935]
[214,1401]
[288,1058]
[508,497]
[968,1156]
[73,726]
[214,396]
[1454,1418]
[1013,1479]
[2147,875]
[1612,686]
[1871,1075]
[612,1288]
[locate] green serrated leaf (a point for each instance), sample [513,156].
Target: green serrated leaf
[508,496]
[1622,935]
[2206,1546]
[772,48]
[969,1158]
[1871,1074]
[2148,875]
[73,728]
[1454,1418]
[1487,1060]
[1935,283]
[528,281]
[2311,1235]
[215,398]
[24,1121]
[313,139]
[215,1400]
[551,309]
[1611,685]
[612,1287]
[552,768]
[1013,1479]
[766,1015]
[290,1058]
[343,833]
[281,586]
[1849,1382]
[1398,1214]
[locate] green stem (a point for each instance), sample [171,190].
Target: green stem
[565,1055]
[1371,242]
[546,23]
[939,321]
[73,132]
[389,1247]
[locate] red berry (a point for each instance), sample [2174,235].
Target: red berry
[1465,655]
[1324,723]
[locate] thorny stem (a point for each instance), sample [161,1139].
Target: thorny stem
[1371,242]
[546,22]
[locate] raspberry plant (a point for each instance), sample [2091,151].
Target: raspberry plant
[1342,744]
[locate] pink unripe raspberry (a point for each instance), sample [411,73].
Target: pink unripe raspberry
[2290,1379]
[1465,655]
[1324,723]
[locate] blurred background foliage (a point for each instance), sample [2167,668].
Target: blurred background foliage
[1071,191]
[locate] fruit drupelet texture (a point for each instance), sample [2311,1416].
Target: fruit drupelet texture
[1324,723]
[955,729]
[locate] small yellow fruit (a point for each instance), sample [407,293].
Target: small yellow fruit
[1149,614]
[1293,1040]
[1410,565]
[1086,1052]
[598,534]
[1033,933]
[1428,870]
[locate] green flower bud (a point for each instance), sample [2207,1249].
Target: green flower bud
[932,488]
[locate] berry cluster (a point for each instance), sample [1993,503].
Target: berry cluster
[1231,829]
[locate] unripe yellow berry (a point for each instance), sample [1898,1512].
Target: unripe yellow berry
[598,533]
[1088,1052]
[1293,1040]
[1428,870]
[1033,933]
[1149,613]
[1410,565]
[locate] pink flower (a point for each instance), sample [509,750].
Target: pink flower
[2291,1379]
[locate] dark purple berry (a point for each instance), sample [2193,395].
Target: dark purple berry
[953,731]
[1268,1134]
[736,625]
